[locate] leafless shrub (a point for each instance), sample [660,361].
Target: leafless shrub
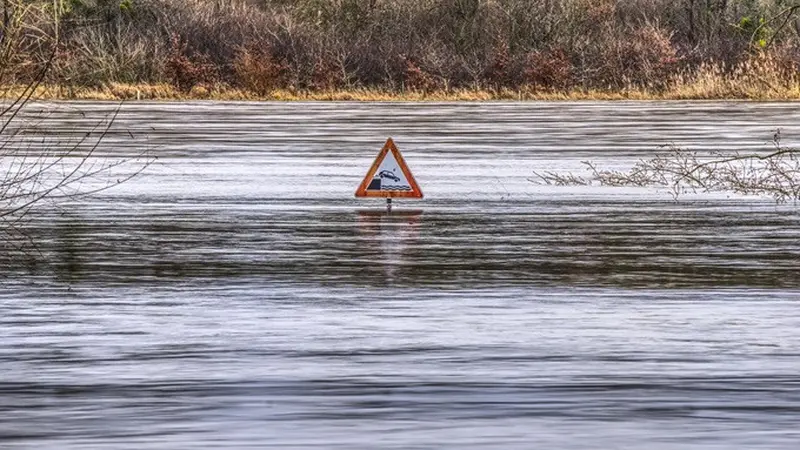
[420,44]
[34,169]
[259,70]
[561,179]
[774,174]
[96,55]
[416,78]
[549,69]
[186,68]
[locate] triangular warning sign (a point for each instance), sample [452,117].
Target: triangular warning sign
[389,176]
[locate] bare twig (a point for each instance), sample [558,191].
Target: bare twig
[37,170]
[775,174]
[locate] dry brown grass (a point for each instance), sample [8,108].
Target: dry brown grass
[165,91]
[704,88]
[763,76]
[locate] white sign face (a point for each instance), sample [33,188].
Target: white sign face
[390,175]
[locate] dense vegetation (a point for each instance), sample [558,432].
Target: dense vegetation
[696,48]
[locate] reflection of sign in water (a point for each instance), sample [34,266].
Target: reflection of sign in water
[389,176]
[385,241]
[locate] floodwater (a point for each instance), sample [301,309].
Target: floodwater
[236,295]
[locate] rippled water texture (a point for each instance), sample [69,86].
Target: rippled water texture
[237,295]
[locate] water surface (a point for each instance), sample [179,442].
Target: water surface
[237,295]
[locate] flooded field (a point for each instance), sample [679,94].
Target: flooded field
[237,295]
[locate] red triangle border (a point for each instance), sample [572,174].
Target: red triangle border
[389,146]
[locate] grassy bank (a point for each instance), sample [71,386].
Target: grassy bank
[707,83]
[131,92]
[403,49]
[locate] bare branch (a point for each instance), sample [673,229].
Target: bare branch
[36,169]
[775,174]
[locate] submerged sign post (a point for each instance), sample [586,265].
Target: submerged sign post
[389,177]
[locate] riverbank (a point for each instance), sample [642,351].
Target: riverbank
[701,90]
[404,50]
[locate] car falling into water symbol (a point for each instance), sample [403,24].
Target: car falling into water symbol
[389,175]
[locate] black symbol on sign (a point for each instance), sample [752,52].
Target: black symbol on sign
[389,175]
[374,185]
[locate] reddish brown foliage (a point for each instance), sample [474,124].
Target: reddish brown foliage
[498,74]
[415,44]
[185,68]
[416,78]
[259,70]
[550,69]
[325,76]
[647,57]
